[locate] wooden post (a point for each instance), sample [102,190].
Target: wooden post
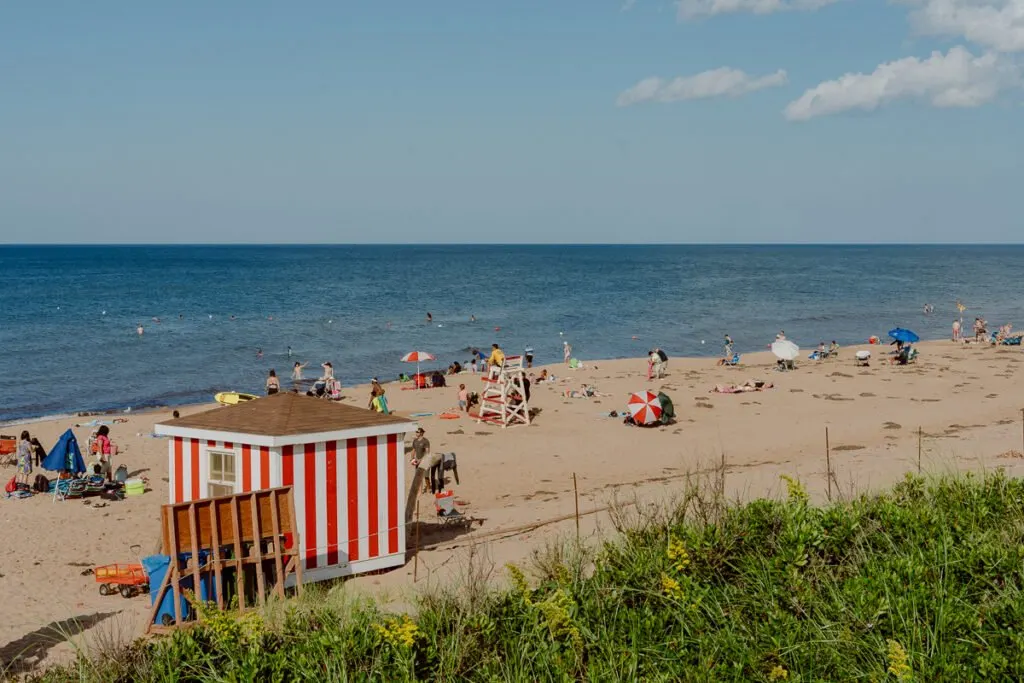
[278,548]
[920,434]
[215,540]
[416,545]
[576,495]
[194,532]
[828,465]
[172,570]
[261,586]
[236,528]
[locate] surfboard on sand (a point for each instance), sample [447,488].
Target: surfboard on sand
[230,398]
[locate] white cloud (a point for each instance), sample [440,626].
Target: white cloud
[996,24]
[693,9]
[628,5]
[954,79]
[721,82]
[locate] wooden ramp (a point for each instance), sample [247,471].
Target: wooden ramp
[230,545]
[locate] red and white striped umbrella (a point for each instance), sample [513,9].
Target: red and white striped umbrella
[416,357]
[645,407]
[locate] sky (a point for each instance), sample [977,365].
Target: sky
[511,121]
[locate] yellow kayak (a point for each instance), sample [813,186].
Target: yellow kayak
[231,398]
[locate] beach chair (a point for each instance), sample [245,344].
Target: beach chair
[447,514]
[735,360]
[912,355]
[862,359]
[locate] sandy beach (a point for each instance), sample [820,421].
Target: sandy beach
[965,399]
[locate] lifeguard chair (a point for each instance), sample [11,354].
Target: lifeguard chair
[503,399]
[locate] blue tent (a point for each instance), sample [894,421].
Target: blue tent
[65,455]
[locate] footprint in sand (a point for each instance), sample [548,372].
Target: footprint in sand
[991,395]
[892,425]
[481,433]
[457,431]
[704,405]
[850,447]
[1006,422]
[867,394]
[839,374]
[796,391]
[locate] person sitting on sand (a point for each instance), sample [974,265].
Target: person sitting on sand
[375,390]
[748,386]
[543,376]
[273,383]
[979,329]
[833,349]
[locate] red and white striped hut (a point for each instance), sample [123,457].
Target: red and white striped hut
[345,465]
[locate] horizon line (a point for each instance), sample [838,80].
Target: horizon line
[511,244]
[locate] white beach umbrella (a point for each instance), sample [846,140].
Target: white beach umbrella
[785,349]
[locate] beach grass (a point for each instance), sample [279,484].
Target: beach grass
[919,583]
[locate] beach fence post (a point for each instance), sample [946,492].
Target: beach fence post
[416,543]
[828,465]
[576,495]
[920,435]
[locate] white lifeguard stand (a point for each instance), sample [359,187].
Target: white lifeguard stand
[503,400]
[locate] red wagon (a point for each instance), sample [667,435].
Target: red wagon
[128,579]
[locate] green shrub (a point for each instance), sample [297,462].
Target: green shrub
[922,583]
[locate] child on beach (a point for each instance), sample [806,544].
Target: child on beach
[956,330]
[463,398]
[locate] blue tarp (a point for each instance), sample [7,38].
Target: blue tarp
[65,455]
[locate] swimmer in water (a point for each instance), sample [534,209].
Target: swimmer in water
[289,352]
[472,318]
[139,329]
[430,318]
[259,353]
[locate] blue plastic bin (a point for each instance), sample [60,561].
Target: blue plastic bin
[157,566]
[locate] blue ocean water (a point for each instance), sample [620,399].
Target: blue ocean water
[68,314]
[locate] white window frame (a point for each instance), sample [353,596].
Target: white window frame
[212,480]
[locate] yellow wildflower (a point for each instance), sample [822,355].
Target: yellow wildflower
[794,489]
[398,632]
[899,661]
[671,587]
[519,582]
[778,673]
[678,554]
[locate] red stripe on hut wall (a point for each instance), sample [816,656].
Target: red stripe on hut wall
[246,468]
[264,467]
[309,479]
[392,474]
[195,469]
[332,502]
[372,513]
[179,474]
[351,463]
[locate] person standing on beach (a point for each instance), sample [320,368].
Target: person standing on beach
[24,457]
[105,450]
[566,352]
[529,356]
[956,330]
[463,398]
[273,383]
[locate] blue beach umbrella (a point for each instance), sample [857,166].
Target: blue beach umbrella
[905,336]
[65,455]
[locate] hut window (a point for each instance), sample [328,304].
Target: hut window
[222,473]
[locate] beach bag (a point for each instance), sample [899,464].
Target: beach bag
[41,484]
[12,485]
